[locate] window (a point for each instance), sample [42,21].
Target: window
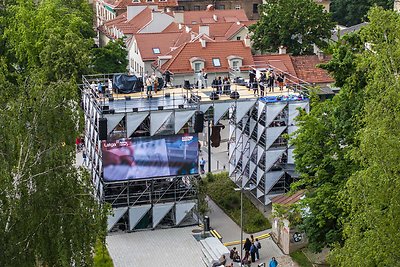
[238,38]
[216,62]
[235,64]
[237,7]
[156,50]
[196,8]
[222,7]
[181,8]
[197,66]
[255,8]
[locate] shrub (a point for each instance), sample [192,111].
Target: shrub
[221,190]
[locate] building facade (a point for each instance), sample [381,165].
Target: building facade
[249,6]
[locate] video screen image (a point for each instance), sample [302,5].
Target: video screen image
[150,157]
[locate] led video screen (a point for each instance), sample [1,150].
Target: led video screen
[150,157]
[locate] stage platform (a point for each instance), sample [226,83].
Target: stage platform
[177,98]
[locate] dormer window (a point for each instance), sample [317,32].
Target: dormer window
[156,50]
[235,62]
[216,62]
[197,63]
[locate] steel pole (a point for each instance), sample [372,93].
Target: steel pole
[209,145]
[241,226]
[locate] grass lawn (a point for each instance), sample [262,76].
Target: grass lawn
[221,189]
[101,256]
[300,258]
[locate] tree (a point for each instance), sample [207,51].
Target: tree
[48,213]
[371,196]
[352,12]
[112,58]
[295,24]
[323,145]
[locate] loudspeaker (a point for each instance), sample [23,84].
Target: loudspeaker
[127,98]
[135,109]
[235,95]
[214,96]
[160,107]
[111,99]
[103,128]
[198,122]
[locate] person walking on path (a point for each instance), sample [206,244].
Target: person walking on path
[258,246]
[202,164]
[273,262]
[84,157]
[246,247]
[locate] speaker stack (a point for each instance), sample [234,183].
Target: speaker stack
[102,128]
[198,122]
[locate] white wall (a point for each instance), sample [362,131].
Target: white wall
[159,22]
[136,64]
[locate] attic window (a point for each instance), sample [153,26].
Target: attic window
[156,50]
[216,62]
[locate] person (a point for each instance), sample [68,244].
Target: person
[168,78]
[258,246]
[200,79]
[110,89]
[271,81]
[219,86]
[155,84]
[252,78]
[205,79]
[246,260]
[202,164]
[149,85]
[100,87]
[253,249]
[84,157]
[273,262]
[227,86]
[281,79]
[252,238]
[234,255]
[221,262]
[262,83]
[214,83]
[93,86]
[78,143]
[247,245]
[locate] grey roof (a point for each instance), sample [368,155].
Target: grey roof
[338,33]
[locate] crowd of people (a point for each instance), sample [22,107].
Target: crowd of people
[266,80]
[251,248]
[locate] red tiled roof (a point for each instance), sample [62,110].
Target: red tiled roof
[220,31]
[125,3]
[180,62]
[278,62]
[206,16]
[163,41]
[132,26]
[307,70]
[287,200]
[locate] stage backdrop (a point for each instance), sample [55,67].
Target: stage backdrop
[150,157]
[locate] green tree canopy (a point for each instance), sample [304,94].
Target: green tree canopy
[112,58]
[295,24]
[48,212]
[352,12]
[371,195]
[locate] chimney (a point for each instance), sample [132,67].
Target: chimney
[187,29]
[178,16]
[180,26]
[203,42]
[282,50]
[321,55]
[204,29]
[215,17]
[247,41]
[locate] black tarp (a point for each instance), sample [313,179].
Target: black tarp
[126,84]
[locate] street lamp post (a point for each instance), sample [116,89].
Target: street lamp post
[241,189]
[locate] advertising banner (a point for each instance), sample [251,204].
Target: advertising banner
[150,157]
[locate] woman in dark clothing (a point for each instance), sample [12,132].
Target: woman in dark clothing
[247,245]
